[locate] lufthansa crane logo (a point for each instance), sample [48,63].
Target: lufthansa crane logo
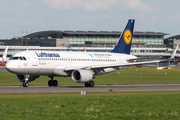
[25,64]
[127,36]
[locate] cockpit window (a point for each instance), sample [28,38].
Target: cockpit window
[17,58]
[10,58]
[20,58]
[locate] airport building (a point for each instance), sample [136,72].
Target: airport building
[144,44]
[171,41]
[100,39]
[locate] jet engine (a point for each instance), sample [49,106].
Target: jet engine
[21,78]
[82,76]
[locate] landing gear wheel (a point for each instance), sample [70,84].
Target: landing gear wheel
[91,83]
[50,83]
[55,83]
[86,84]
[25,84]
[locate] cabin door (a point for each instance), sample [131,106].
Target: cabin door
[34,59]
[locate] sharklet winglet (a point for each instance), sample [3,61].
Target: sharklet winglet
[174,53]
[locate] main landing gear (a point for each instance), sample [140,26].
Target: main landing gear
[89,84]
[52,82]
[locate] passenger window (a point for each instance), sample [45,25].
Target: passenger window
[20,58]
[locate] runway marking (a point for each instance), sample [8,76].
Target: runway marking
[99,85]
[97,88]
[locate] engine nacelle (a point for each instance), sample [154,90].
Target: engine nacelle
[82,76]
[21,78]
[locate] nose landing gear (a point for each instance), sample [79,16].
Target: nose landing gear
[25,83]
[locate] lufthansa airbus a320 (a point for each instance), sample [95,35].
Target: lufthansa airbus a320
[81,66]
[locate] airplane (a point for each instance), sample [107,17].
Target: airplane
[81,66]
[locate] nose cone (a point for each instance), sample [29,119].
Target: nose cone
[10,67]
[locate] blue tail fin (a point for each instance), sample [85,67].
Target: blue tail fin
[125,40]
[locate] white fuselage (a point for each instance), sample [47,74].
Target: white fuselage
[55,63]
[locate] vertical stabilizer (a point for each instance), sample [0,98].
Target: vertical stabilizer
[125,40]
[5,54]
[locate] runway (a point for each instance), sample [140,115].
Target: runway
[97,88]
[1,69]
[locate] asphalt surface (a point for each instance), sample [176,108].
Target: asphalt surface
[2,69]
[97,88]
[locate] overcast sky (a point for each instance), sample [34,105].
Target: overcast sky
[86,15]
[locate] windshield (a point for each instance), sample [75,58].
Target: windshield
[18,58]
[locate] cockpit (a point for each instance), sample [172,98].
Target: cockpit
[17,58]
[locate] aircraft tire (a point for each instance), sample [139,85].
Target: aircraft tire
[91,83]
[25,84]
[55,83]
[86,84]
[50,83]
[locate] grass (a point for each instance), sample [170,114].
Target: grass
[142,76]
[129,106]
[125,76]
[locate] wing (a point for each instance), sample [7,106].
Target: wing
[123,64]
[110,65]
[143,59]
[120,64]
[140,59]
